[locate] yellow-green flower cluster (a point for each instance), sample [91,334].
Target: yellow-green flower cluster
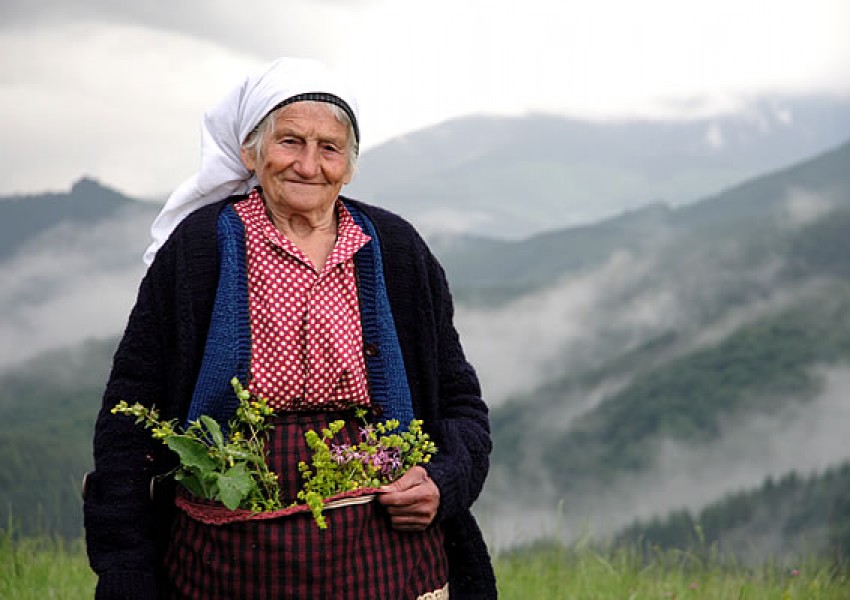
[380,457]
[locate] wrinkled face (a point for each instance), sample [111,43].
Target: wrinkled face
[304,163]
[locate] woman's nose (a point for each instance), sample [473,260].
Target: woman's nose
[307,164]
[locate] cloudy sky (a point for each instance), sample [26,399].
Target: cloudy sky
[116,89]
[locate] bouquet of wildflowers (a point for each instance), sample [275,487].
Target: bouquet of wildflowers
[233,469]
[382,455]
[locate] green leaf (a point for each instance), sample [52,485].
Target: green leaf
[214,429]
[234,485]
[191,483]
[192,453]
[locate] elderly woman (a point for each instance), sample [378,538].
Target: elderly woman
[261,270]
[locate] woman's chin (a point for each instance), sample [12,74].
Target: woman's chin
[304,198]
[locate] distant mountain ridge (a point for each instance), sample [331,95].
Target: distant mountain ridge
[514,177]
[485,265]
[23,217]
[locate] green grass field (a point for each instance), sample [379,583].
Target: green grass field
[627,574]
[39,569]
[44,568]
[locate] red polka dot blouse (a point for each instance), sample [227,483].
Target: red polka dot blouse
[306,341]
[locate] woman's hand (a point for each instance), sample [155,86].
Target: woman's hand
[411,500]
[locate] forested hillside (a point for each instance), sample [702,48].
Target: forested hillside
[689,398]
[48,406]
[717,355]
[795,515]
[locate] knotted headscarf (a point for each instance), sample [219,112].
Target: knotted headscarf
[226,125]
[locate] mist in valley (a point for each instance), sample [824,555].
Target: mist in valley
[807,437]
[69,284]
[587,320]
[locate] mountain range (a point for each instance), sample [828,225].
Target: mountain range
[515,177]
[655,361]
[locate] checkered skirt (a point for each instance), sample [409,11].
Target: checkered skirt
[359,555]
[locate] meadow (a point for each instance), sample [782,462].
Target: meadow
[48,568]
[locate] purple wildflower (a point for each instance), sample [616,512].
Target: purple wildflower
[390,461]
[367,434]
[338,454]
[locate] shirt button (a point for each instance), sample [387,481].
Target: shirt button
[370,349]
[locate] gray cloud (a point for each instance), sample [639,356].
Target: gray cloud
[176,14]
[801,208]
[519,345]
[263,27]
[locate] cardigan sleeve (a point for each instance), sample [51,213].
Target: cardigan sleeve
[118,509]
[462,427]
[156,363]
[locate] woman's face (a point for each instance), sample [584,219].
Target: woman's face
[303,164]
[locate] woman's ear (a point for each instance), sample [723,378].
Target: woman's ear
[248,159]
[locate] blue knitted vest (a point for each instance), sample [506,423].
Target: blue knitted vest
[228,346]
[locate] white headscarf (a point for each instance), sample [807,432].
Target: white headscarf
[226,125]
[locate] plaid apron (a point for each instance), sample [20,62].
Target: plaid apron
[359,556]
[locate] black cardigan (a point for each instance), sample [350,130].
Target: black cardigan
[158,360]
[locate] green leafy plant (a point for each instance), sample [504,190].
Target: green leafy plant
[231,469]
[382,455]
